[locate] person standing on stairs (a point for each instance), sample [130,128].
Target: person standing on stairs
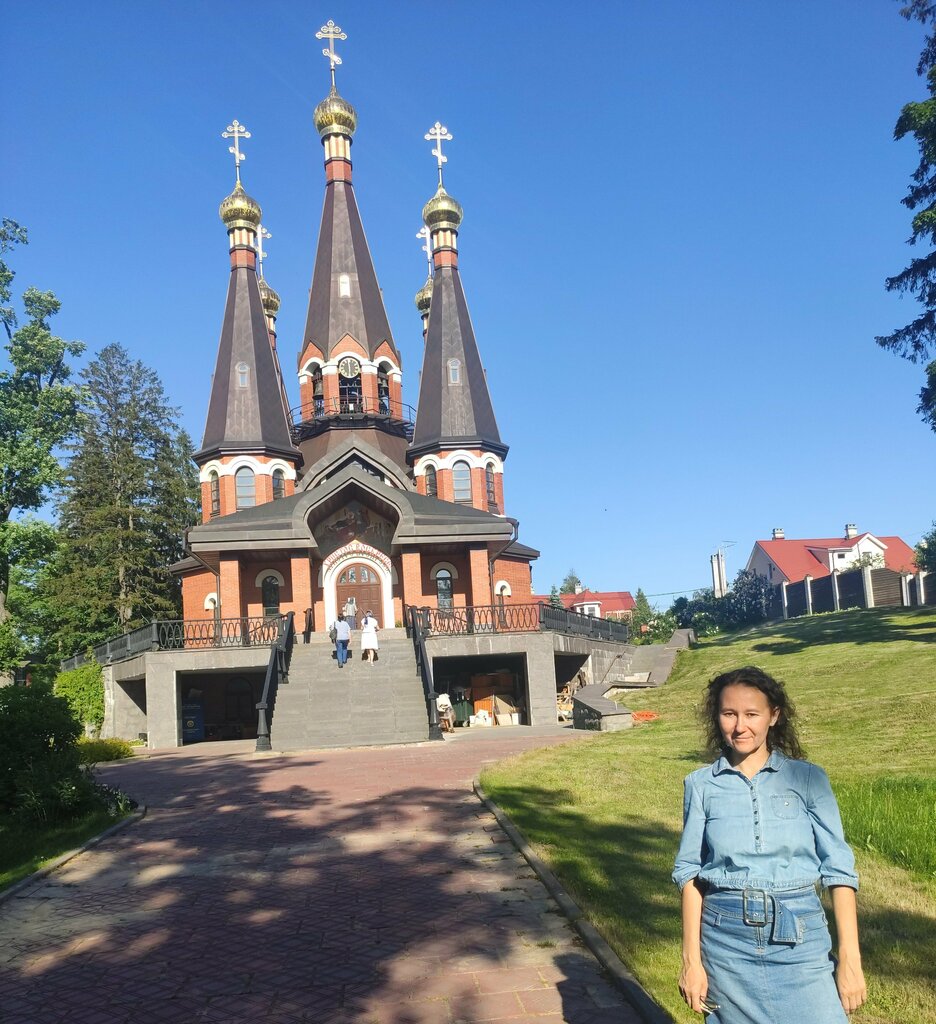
[350,612]
[342,639]
[369,637]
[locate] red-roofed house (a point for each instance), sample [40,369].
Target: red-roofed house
[604,604]
[783,560]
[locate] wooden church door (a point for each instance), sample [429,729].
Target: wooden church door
[362,583]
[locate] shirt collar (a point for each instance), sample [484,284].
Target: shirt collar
[773,764]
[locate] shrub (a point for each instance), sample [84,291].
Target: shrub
[83,688]
[95,751]
[40,773]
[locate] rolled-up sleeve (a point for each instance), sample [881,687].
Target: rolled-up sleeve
[689,857]
[836,860]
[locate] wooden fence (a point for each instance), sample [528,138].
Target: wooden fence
[857,588]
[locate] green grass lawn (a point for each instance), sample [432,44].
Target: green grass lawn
[606,814]
[24,850]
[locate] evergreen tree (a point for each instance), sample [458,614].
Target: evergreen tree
[571,584]
[554,599]
[131,491]
[38,412]
[917,340]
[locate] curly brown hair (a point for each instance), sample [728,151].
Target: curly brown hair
[781,736]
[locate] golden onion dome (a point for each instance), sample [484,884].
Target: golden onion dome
[424,296]
[335,115]
[269,299]
[239,210]
[442,211]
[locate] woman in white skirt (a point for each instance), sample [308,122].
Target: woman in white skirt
[369,637]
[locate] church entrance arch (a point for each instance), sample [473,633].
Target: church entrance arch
[361,571]
[358,588]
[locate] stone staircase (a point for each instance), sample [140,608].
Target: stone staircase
[356,706]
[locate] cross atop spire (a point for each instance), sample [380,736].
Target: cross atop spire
[437,133]
[262,235]
[426,236]
[236,131]
[331,32]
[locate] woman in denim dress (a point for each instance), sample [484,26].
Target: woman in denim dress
[760,828]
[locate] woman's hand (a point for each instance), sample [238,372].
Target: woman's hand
[693,984]
[849,979]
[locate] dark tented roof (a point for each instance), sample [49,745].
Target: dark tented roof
[248,417]
[453,414]
[342,249]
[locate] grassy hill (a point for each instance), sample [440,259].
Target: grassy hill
[606,814]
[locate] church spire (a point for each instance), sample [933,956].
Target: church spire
[247,425]
[346,325]
[456,433]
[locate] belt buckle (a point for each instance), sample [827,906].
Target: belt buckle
[759,894]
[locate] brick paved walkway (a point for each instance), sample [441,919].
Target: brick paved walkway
[334,887]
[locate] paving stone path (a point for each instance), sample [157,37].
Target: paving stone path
[335,887]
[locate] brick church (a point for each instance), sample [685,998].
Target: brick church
[350,503]
[349,499]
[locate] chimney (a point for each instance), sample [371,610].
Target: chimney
[578,589]
[851,531]
[778,533]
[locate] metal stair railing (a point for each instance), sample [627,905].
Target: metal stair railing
[277,671]
[416,624]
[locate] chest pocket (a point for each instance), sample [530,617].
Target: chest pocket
[786,805]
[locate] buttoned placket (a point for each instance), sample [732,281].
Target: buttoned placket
[755,805]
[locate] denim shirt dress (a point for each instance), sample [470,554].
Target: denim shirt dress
[780,830]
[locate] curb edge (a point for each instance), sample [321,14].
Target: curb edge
[638,997]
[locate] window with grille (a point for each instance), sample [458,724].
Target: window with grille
[444,589]
[454,371]
[245,487]
[270,590]
[491,492]
[461,481]
[214,487]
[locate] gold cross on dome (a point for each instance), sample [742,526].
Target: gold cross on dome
[426,247]
[262,235]
[331,32]
[236,131]
[437,133]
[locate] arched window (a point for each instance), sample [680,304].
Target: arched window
[318,393]
[383,391]
[454,371]
[461,481]
[279,484]
[270,591]
[243,375]
[245,487]
[443,579]
[491,492]
[432,485]
[214,489]
[344,286]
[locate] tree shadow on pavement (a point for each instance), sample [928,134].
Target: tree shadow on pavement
[320,888]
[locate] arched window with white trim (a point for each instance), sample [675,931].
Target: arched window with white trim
[432,483]
[461,482]
[214,491]
[491,490]
[454,371]
[243,375]
[270,591]
[279,484]
[443,582]
[245,487]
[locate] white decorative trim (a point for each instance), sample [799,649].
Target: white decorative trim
[211,602]
[449,459]
[373,559]
[262,575]
[434,571]
[502,587]
[251,462]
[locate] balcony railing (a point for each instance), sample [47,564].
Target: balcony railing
[517,618]
[312,417]
[185,635]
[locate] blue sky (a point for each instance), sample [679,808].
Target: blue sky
[678,220]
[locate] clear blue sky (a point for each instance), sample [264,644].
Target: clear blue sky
[678,220]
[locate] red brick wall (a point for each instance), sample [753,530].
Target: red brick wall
[518,574]
[196,586]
